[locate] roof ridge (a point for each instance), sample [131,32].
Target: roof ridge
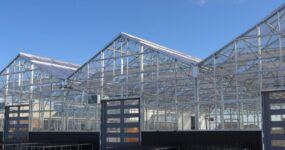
[164,48]
[47,59]
[267,17]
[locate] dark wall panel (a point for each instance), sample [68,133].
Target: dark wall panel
[65,138]
[250,139]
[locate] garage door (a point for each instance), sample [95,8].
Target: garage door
[274,120]
[120,123]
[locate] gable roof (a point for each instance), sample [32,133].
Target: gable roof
[59,69]
[170,52]
[273,13]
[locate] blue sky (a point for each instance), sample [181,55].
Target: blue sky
[74,30]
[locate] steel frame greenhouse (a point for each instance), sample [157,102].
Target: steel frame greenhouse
[177,91]
[38,82]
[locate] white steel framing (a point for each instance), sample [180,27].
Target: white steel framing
[177,91]
[133,67]
[36,81]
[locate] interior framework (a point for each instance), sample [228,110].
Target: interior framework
[177,91]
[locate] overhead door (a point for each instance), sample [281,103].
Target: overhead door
[16,124]
[120,123]
[274,120]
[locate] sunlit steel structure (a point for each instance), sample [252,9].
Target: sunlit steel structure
[231,80]
[180,92]
[177,91]
[133,67]
[38,82]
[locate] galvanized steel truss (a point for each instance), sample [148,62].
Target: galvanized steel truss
[178,92]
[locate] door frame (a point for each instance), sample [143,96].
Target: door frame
[267,123]
[122,135]
[16,124]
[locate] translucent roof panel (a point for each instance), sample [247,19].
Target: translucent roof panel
[171,52]
[59,69]
[132,49]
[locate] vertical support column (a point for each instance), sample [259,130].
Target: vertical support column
[196,94]
[216,117]
[84,99]
[88,77]
[142,84]
[157,88]
[280,73]
[122,69]
[141,67]
[259,68]
[5,96]
[13,87]
[102,75]
[175,97]
[54,124]
[65,114]
[222,111]
[127,69]
[20,81]
[239,104]
[182,118]
[157,79]
[31,98]
[114,59]
[216,92]
[6,86]
[127,74]
[241,118]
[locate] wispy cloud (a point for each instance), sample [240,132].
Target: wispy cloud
[204,2]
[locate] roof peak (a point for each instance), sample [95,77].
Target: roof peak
[47,59]
[60,69]
[163,48]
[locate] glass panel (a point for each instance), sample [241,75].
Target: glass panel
[277,106]
[277,130]
[113,120]
[113,130]
[131,111]
[278,143]
[132,119]
[114,103]
[113,111]
[131,140]
[131,102]
[277,95]
[113,140]
[131,130]
[277,117]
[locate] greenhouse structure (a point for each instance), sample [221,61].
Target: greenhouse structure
[135,92]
